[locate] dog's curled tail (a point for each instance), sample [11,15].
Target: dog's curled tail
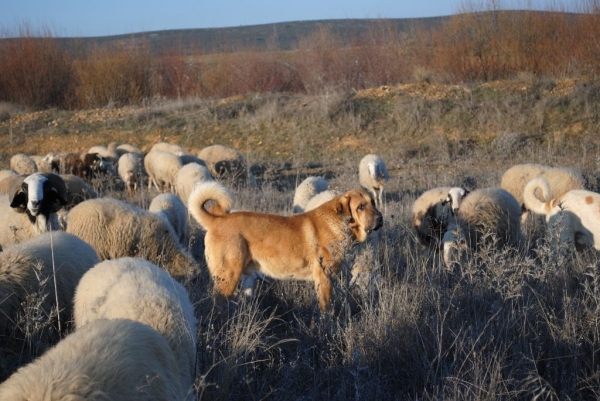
[202,194]
[532,202]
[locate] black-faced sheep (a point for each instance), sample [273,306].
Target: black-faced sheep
[171,207]
[306,190]
[226,164]
[62,258]
[162,168]
[373,175]
[118,360]
[430,215]
[188,176]
[30,207]
[131,170]
[484,213]
[135,289]
[22,164]
[117,229]
[574,214]
[561,180]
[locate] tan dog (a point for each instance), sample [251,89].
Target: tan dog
[307,246]
[579,221]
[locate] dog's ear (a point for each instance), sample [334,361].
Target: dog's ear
[343,206]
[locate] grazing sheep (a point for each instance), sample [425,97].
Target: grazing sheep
[22,164]
[481,213]
[172,208]
[30,206]
[162,168]
[226,164]
[372,175]
[84,165]
[118,360]
[188,176]
[430,216]
[363,254]
[574,213]
[23,268]
[135,289]
[107,154]
[117,229]
[127,148]
[77,190]
[167,147]
[307,189]
[561,180]
[131,170]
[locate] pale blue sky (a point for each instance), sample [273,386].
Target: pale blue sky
[113,17]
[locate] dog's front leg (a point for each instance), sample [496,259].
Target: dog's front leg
[322,278]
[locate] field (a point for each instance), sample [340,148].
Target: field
[512,324]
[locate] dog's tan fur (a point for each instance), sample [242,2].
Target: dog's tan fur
[577,211]
[307,246]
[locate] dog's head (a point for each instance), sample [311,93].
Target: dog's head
[359,209]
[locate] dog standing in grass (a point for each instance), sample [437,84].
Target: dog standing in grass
[306,246]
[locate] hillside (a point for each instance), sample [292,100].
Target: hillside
[277,36]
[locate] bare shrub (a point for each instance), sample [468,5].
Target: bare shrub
[35,70]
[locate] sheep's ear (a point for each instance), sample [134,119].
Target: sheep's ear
[19,202]
[58,192]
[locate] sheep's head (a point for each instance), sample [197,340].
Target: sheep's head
[38,194]
[455,197]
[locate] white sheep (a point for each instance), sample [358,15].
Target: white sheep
[306,190]
[22,164]
[162,168]
[373,175]
[172,208]
[77,190]
[561,180]
[476,216]
[135,289]
[188,176]
[131,170]
[30,206]
[117,229]
[62,258]
[45,163]
[118,360]
[226,164]
[430,215]
[187,159]
[574,214]
[167,147]
[128,148]
[110,155]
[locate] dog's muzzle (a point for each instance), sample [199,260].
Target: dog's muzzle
[378,222]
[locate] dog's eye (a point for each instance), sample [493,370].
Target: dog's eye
[361,207]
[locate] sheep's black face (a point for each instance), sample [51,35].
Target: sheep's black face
[37,196]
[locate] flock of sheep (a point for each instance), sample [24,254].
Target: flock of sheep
[457,221]
[116,269]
